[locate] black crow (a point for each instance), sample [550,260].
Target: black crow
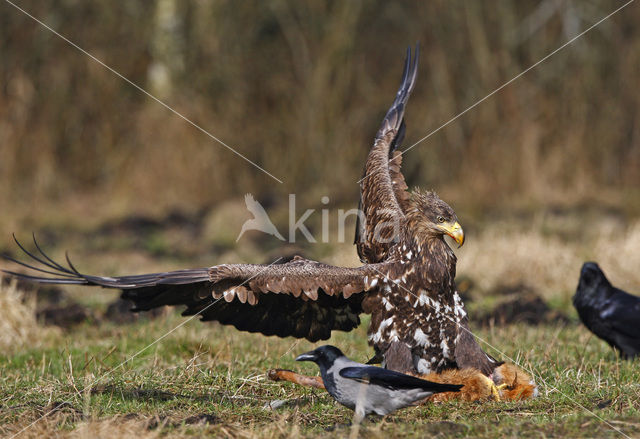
[610,313]
[369,389]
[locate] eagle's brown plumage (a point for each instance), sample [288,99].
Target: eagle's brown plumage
[418,321]
[407,283]
[418,309]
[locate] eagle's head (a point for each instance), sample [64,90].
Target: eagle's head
[433,217]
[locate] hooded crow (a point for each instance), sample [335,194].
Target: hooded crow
[369,389]
[608,312]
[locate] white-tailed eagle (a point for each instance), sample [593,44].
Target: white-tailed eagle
[407,282]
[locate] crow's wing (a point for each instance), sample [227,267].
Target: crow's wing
[383,196]
[394,380]
[300,298]
[622,312]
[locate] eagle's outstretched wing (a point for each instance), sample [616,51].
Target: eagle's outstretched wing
[300,298]
[383,196]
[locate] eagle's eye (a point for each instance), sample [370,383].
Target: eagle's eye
[440,219]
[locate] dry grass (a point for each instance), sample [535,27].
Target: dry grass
[18,325]
[507,255]
[618,251]
[117,426]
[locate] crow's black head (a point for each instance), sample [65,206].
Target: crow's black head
[591,277]
[324,356]
[593,286]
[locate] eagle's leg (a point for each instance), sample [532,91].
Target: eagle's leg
[494,388]
[398,357]
[296,378]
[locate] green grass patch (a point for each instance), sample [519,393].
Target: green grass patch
[209,379]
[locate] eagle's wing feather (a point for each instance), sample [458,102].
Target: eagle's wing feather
[300,298]
[383,196]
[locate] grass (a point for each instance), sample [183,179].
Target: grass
[82,380]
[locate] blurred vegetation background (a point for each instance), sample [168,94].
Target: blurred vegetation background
[300,89]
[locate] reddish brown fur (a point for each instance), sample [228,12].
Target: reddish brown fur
[296,378]
[519,383]
[476,385]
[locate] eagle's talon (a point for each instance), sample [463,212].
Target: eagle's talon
[495,390]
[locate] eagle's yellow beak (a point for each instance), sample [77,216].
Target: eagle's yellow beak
[455,231]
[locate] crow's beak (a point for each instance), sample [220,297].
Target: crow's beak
[455,231]
[307,356]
